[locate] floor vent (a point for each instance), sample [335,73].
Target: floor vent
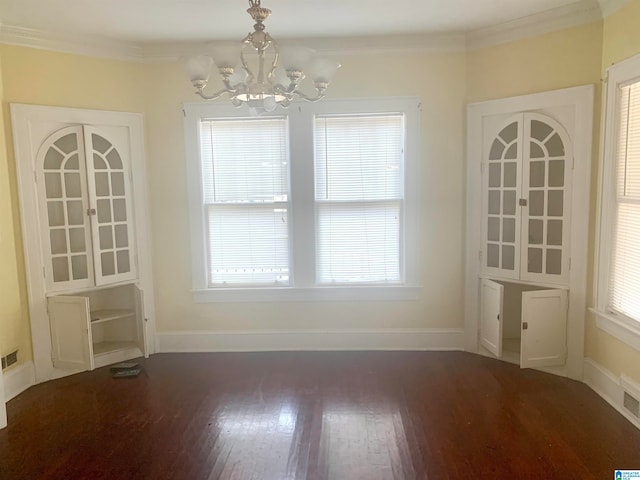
[9,359]
[632,404]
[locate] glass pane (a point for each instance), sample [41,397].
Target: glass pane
[106,237]
[534,263]
[124,265]
[119,210]
[68,143]
[52,185]
[100,144]
[494,175]
[102,184]
[509,230]
[512,152]
[58,239]
[536,174]
[53,159]
[554,261]
[508,257]
[494,202]
[79,267]
[539,130]
[555,147]
[510,133]
[115,162]
[535,232]
[117,183]
[104,211]
[55,213]
[122,237]
[509,202]
[536,151]
[60,269]
[72,163]
[510,171]
[493,255]
[98,162]
[108,264]
[556,173]
[493,229]
[76,240]
[496,150]
[75,212]
[554,232]
[72,187]
[555,203]
[536,203]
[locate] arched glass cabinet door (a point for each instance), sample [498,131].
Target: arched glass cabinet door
[110,209]
[547,171]
[63,203]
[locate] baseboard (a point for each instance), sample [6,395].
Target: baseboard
[304,340]
[609,387]
[18,379]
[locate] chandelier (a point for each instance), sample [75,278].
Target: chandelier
[258,73]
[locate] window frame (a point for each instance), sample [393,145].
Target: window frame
[618,325]
[303,286]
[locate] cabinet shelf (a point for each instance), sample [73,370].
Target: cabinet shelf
[100,316]
[104,348]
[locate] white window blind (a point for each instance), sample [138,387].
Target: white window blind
[359,163]
[245,171]
[624,287]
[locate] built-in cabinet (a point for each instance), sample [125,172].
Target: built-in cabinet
[84,227]
[527,219]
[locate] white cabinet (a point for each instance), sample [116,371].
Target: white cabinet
[526,199]
[524,324]
[97,328]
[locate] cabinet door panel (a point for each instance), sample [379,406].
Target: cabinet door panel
[544,340]
[141,321]
[71,342]
[3,408]
[108,155]
[491,316]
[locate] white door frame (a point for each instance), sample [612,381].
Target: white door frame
[3,406]
[25,120]
[579,102]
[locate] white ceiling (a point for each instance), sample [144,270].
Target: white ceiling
[162,21]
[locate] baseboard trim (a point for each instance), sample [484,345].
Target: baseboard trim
[608,386]
[305,340]
[18,379]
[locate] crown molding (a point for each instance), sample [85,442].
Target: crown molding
[578,13]
[70,43]
[575,14]
[610,6]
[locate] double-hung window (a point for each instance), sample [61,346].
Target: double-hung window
[618,295]
[319,201]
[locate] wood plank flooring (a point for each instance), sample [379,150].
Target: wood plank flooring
[324,415]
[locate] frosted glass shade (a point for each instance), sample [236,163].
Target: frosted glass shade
[198,68]
[226,55]
[323,69]
[295,58]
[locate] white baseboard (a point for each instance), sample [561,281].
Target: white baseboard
[18,379]
[315,340]
[609,387]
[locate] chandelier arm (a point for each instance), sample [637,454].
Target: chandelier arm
[213,96]
[310,98]
[245,66]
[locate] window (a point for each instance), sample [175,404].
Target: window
[618,302]
[316,202]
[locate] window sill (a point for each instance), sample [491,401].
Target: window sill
[314,294]
[623,329]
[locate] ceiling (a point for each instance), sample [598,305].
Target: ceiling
[163,21]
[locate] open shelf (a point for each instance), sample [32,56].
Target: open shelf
[99,316]
[103,348]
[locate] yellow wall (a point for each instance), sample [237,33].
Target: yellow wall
[440,81]
[14,318]
[45,78]
[621,40]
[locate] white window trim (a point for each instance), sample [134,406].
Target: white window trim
[304,286]
[619,326]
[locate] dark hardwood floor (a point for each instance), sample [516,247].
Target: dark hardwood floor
[337,416]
